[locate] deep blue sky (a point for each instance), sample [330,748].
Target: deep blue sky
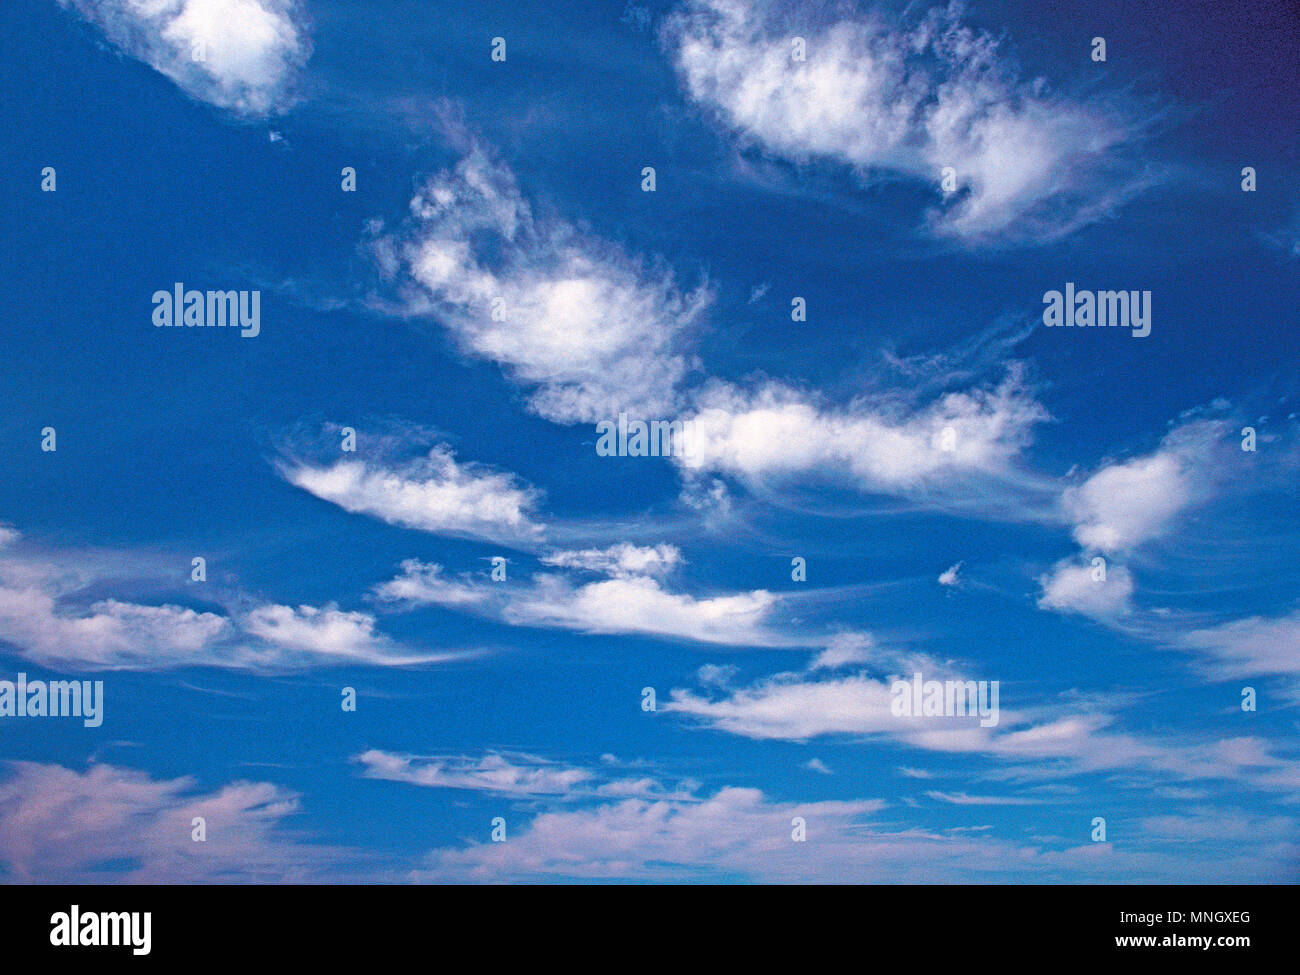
[1120,701]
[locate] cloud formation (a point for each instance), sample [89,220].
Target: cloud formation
[435,493]
[46,617]
[1125,504]
[240,55]
[775,432]
[591,331]
[59,825]
[625,604]
[881,95]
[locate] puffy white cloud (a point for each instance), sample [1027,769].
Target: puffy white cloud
[1075,589]
[641,605]
[241,55]
[882,95]
[1125,504]
[434,494]
[591,331]
[109,634]
[948,577]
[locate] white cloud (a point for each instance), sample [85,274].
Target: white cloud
[44,616]
[1125,504]
[241,55]
[590,330]
[622,560]
[716,675]
[1219,825]
[817,765]
[1252,646]
[58,825]
[423,584]
[1072,588]
[516,776]
[434,494]
[884,96]
[1075,737]
[964,799]
[846,649]
[322,635]
[740,832]
[640,605]
[521,775]
[788,707]
[108,634]
[777,432]
[622,605]
[735,830]
[948,577]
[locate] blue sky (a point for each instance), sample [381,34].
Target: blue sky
[954,474]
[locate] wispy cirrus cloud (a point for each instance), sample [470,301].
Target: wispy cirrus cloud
[588,329]
[434,493]
[913,97]
[632,602]
[1126,504]
[624,604]
[623,559]
[965,799]
[514,775]
[1074,737]
[522,775]
[1254,645]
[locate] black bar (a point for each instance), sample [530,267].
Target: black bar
[949,925]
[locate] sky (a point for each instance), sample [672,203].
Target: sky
[439,634]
